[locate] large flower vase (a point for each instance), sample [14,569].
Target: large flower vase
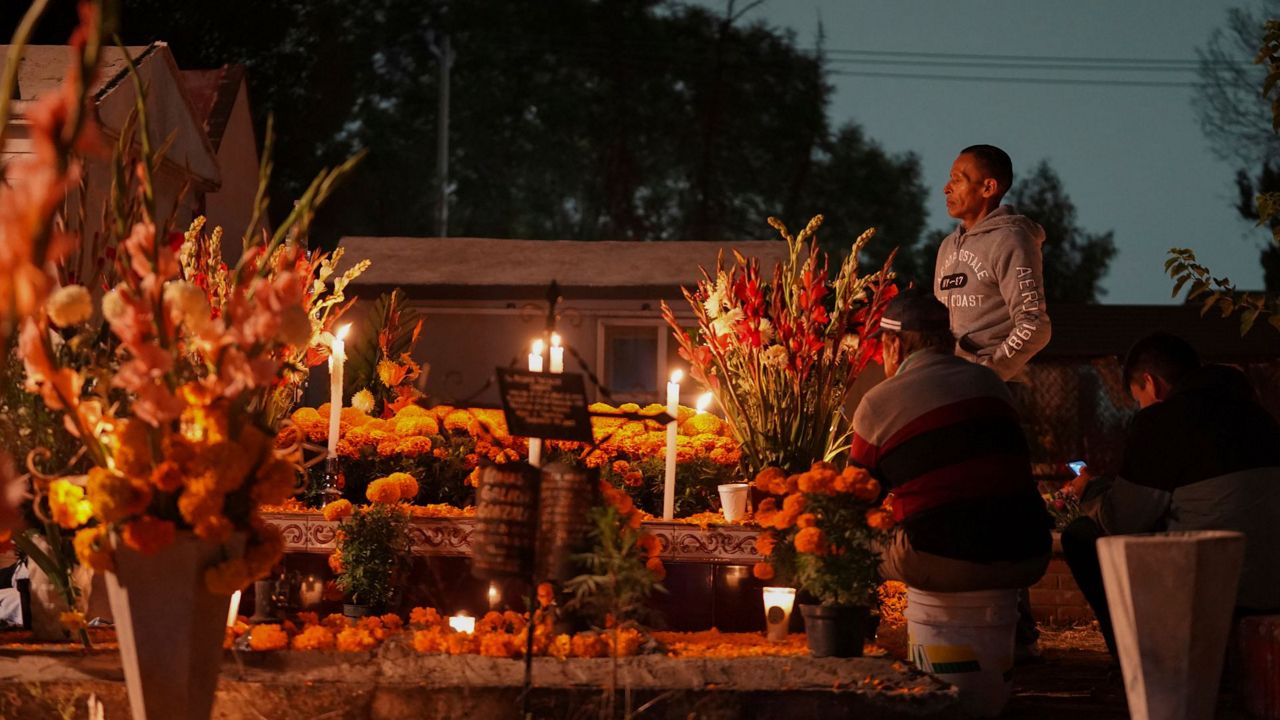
[170,627]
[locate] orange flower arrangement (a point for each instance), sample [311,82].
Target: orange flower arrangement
[268,637]
[824,536]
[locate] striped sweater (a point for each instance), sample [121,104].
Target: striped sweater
[942,436]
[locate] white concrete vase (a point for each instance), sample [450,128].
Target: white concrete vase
[1171,596]
[170,628]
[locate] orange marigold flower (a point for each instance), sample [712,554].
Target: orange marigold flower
[416,425]
[762,571]
[867,491]
[649,544]
[114,496]
[498,644]
[276,481]
[214,528]
[766,512]
[655,566]
[405,482]
[429,641]
[383,491]
[460,643]
[148,534]
[700,424]
[425,617]
[268,637]
[391,621]
[166,477]
[354,639]
[811,540]
[314,637]
[413,410]
[457,421]
[805,520]
[93,548]
[878,519]
[765,542]
[335,562]
[309,618]
[132,447]
[337,510]
[588,645]
[68,505]
[414,446]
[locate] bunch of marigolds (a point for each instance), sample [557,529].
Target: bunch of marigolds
[824,533]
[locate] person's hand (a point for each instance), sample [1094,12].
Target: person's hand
[1080,482]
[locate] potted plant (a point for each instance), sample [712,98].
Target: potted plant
[373,545]
[823,534]
[780,355]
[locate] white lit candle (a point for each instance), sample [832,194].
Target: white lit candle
[234,609]
[535,356]
[337,360]
[778,602]
[463,623]
[535,365]
[311,592]
[557,354]
[673,409]
[495,596]
[704,401]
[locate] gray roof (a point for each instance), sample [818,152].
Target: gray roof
[484,268]
[42,67]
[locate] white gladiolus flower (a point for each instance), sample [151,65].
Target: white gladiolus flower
[766,330]
[363,401]
[70,305]
[187,304]
[723,325]
[776,357]
[114,306]
[295,326]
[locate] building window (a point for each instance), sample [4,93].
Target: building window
[635,357]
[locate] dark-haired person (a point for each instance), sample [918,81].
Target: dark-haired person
[942,436]
[1201,454]
[989,272]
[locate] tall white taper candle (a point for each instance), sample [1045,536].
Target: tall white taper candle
[673,409]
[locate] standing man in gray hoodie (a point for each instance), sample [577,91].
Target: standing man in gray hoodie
[989,272]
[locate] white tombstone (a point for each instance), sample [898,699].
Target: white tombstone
[1171,596]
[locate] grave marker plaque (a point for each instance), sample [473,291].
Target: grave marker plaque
[567,496]
[552,406]
[502,544]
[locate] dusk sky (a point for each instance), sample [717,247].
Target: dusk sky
[1132,158]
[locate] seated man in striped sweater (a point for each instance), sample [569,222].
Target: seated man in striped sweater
[942,437]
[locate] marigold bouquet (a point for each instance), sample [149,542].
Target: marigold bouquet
[780,355]
[823,533]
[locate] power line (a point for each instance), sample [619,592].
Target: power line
[1001,65]
[1192,63]
[1024,80]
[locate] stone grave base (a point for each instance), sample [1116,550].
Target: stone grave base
[395,682]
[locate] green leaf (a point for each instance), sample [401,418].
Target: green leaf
[1247,320]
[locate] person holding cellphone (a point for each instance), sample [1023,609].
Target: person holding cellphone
[1201,454]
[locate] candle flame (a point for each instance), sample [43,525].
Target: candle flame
[341,333]
[704,401]
[555,340]
[537,346]
[677,376]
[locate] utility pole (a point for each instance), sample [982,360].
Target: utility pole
[444,56]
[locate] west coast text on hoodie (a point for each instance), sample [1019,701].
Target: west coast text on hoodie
[991,278]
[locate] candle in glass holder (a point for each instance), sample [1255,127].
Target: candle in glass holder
[311,592]
[463,623]
[778,602]
[673,409]
[495,596]
[337,361]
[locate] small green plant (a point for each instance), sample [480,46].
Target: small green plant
[615,584]
[373,551]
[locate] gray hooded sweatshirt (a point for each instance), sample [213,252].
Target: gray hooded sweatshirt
[991,279]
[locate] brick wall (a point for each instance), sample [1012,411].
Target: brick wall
[1056,600]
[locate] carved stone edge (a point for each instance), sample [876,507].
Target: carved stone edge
[451,537]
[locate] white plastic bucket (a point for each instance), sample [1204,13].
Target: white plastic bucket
[966,639]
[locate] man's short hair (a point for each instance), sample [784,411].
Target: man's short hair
[995,164]
[1161,355]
